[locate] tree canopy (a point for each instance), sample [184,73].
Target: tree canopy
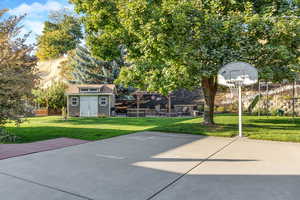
[173,43]
[61,33]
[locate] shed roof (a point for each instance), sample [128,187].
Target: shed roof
[104,88]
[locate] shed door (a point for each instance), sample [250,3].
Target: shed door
[88,106]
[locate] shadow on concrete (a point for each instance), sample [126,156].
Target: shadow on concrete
[200,160]
[119,174]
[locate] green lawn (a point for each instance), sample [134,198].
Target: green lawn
[42,128]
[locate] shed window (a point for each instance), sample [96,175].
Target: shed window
[93,90]
[84,89]
[74,101]
[89,90]
[103,101]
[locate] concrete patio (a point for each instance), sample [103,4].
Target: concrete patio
[160,166]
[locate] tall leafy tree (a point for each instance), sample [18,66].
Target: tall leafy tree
[174,43]
[83,67]
[62,32]
[16,69]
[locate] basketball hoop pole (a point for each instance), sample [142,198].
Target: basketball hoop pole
[236,75]
[240,111]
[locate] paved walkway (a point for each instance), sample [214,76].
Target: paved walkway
[157,166]
[13,150]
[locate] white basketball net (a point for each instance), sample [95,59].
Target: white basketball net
[234,93]
[234,88]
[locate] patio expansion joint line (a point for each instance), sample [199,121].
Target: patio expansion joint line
[47,186]
[194,167]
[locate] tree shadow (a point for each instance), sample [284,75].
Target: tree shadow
[32,134]
[91,128]
[288,121]
[221,129]
[200,160]
[101,128]
[120,121]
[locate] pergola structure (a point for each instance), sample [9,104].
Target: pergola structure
[138,94]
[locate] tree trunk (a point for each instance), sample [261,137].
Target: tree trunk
[209,87]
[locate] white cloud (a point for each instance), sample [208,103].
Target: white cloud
[35,26]
[37,7]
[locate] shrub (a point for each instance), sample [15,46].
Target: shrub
[52,97]
[221,109]
[5,136]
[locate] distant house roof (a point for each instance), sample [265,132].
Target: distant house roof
[103,88]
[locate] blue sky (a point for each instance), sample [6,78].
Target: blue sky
[37,12]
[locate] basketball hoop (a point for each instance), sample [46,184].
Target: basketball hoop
[234,93]
[236,75]
[233,85]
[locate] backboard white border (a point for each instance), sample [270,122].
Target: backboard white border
[248,78]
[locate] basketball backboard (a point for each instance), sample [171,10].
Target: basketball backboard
[237,73]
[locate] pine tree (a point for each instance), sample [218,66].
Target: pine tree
[82,67]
